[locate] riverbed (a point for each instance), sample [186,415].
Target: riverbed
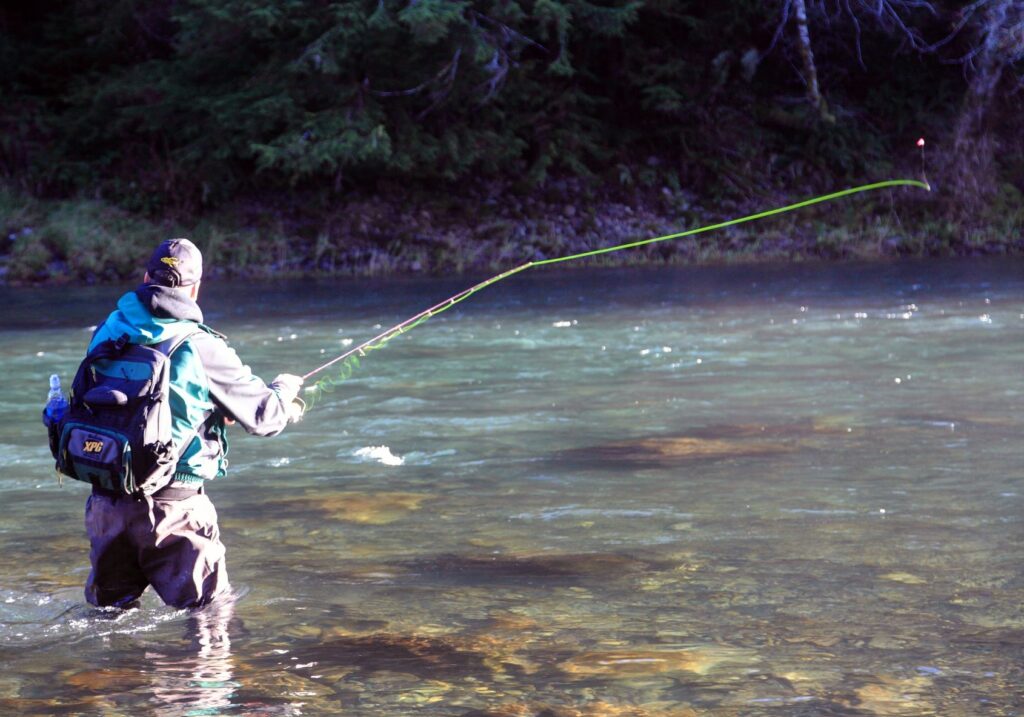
[773,490]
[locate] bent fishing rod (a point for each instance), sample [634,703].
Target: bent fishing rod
[350,359]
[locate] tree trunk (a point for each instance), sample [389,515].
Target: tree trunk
[810,70]
[974,145]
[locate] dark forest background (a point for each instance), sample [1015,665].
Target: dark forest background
[430,135]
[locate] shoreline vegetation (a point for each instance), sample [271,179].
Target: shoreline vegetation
[386,137]
[396,233]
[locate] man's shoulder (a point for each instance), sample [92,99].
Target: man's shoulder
[204,330]
[212,350]
[205,342]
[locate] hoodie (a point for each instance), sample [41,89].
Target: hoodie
[208,381]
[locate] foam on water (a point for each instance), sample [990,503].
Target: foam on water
[403,403]
[576,512]
[38,618]
[380,454]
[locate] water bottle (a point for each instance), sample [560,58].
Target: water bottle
[56,404]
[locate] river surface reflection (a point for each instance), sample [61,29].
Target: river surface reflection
[660,492]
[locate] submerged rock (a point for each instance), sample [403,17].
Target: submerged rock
[353,628]
[619,664]
[905,578]
[597,708]
[960,422]
[893,697]
[507,643]
[419,655]
[720,442]
[673,449]
[426,693]
[286,685]
[107,680]
[527,568]
[505,622]
[355,507]
[791,430]
[90,704]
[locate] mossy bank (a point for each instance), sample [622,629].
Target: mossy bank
[395,232]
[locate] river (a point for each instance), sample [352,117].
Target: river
[659,492]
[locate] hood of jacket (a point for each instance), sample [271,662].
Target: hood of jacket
[149,315]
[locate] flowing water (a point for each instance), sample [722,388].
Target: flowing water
[717,491]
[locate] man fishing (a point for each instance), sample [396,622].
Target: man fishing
[170,538]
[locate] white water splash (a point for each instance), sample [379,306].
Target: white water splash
[381,454]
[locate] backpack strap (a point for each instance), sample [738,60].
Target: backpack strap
[169,346]
[109,348]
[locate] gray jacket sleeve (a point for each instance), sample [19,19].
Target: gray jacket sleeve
[237,391]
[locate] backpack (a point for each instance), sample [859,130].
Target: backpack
[116,433]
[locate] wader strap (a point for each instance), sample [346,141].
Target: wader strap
[166,493]
[175,492]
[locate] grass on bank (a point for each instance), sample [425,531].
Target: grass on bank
[89,240]
[93,241]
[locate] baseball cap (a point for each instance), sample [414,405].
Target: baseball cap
[176,262]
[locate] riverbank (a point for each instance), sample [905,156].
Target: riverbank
[488,227]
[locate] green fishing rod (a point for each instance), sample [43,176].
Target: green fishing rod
[350,359]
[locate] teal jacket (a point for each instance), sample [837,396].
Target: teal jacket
[208,382]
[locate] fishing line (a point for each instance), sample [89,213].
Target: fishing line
[350,359]
[924,175]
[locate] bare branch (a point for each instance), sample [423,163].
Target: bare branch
[505,42]
[445,76]
[449,74]
[782,25]
[856,29]
[508,32]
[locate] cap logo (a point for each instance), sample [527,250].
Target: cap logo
[171,261]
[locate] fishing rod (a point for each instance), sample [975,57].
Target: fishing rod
[350,359]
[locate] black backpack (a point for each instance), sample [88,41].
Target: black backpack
[116,433]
